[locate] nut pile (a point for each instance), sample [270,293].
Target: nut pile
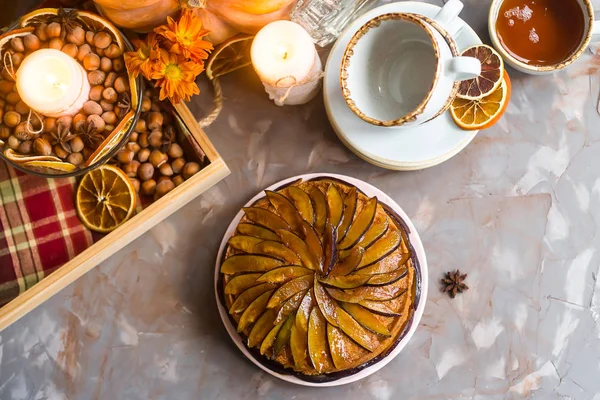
[153,159]
[71,139]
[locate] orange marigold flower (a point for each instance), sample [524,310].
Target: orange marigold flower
[176,76]
[186,36]
[142,61]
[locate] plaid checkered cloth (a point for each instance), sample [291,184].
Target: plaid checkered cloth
[39,229]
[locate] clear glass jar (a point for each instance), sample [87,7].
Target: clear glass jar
[326,19]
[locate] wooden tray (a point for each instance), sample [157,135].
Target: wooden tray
[211,174]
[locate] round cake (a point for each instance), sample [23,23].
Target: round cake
[319,278]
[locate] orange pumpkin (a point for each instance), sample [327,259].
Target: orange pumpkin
[137,15]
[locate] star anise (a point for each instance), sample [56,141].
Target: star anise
[169,136]
[62,136]
[454,283]
[89,134]
[67,20]
[124,105]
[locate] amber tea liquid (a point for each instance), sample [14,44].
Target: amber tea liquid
[540,32]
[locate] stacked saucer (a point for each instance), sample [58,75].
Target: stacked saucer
[402,149]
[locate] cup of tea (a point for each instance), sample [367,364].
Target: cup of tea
[399,71]
[542,36]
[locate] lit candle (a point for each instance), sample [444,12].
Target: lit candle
[286,60]
[52,83]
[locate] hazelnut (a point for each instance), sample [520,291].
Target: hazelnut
[17,45]
[146,104]
[155,139]
[41,147]
[31,42]
[79,120]
[75,158]
[149,187]
[22,133]
[40,31]
[76,36]
[87,153]
[70,49]
[65,120]
[56,43]
[175,151]
[60,152]
[105,64]
[113,51]
[97,121]
[91,62]
[178,165]
[106,105]
[12,119]
[109,128]
[118,64]
[136,184]
[102,40]
[6,86]
[131,169]
[13,98]
[89,37]
[50,125]
[143,139]
[143,155]
[83,51]
[14,143]
[146,171]
[5,132]
[134,136]
[99,51]
[190,169]
[92,108]
[53,30]
[140,126]
[22,108]
[166,169]
[133,146]
[125,156]
[96,78]
[96,91]
[154,120]
[178,180]
[158,158]
[110,79]
[6,75]
[110,117]
[76,144]
[17,59]
[26,147]
[162,188]
[109,94]
[121,84]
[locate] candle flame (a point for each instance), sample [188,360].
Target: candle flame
[54,82]
[282,51]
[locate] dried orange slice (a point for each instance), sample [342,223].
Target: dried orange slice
[492,70]
[106,199]
[38,16]
[50,167]
[483,113]
[232,54]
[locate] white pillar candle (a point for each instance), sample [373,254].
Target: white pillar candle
[286,60]
[52,83]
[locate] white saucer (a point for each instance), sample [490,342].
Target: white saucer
[419,260]
[392,148]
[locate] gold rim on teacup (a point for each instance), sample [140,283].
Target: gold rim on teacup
[349,52]
[493,17]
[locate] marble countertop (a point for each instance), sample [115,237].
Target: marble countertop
[517,210]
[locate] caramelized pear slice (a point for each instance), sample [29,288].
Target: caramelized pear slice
[240,283]
[249,263]
[261,328]
[283,336]
[290,306]
[385,266]
[348,215]
[299,246]
[254,310]
[346,282]
[277,250]
[268,341]
[356,331]
[286,210]
[381,248]
[320,206]
[366,318]
[343,351]
[318,347]
[247,297]
[361,224]
[335,206]
[326,303]
[314,243]
[266,218]
[302,201]
[283,274]
[256,231]
[244,243]
[299,346]
[387,279]
[304,311]
[348,264]
[378,228]
[376,293]
[379,307]
[329,246]
[289,289]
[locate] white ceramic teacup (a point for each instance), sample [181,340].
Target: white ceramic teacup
[399,71]
[591,33]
